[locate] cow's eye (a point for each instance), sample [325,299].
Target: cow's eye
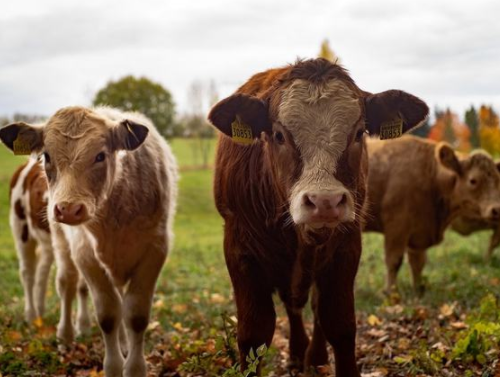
[100,157]
[359,135]
[46,157]
[279,137]
[473,182]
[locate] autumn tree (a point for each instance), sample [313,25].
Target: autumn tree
[448,127]
[489,131]
[201,96]
[472,121]
[142,95]
[327,53]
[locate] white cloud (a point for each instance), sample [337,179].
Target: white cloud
[56,53]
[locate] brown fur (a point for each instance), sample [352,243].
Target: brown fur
[413,197]
[265,252]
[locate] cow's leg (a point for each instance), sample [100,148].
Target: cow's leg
[317,353]
[45,260]
[254,303]
[395,247]
[494,242]
[335,284]
[27,269]
[66,283]
[137,302]
[82,314]
[108,307]
[256,317]
[298,338]
[417,259]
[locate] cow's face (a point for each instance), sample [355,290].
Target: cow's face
[316,145]
[80,152]
[313,130]
[476,183]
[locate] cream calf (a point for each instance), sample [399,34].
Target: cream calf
[112,192]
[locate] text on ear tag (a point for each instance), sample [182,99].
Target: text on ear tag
[391,129]
[20,146]
[241,133]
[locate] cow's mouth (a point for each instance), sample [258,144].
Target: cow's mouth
[319,233]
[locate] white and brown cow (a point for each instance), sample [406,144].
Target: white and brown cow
[36,250]
[31,232]
[112,192]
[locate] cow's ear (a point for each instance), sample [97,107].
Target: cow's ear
[129,135]
[447,157]
[22,138]
[394,112]
[241,117]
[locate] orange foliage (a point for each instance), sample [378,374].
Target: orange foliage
[489,131]
[449,128]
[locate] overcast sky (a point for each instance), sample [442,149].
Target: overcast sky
[55,53]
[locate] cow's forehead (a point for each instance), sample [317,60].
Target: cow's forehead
[320,117]
[74,139]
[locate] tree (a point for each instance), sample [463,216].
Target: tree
[195,121]
[472,121]
[142,95]
[449,128]
[327,53]
[489,131]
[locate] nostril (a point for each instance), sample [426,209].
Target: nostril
[495,212]
[57,211]
[343,201]
[79,211]
[308,202]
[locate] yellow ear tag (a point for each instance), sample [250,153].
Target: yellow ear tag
[391,129]
[241,132]
[21,147]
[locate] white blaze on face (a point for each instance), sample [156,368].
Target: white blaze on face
[320,119]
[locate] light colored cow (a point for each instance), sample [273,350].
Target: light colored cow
[465,225]
[416,188]
[112,192]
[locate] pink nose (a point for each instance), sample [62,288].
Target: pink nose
[70,213]
[324,206]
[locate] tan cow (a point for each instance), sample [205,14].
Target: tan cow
[112,192]
[416,188]
[467,225]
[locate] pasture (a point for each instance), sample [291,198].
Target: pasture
[453,330]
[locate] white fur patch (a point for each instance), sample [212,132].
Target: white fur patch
[320,119]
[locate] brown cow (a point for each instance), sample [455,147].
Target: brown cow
[467,225]
[35,249]
[290,185]
[416,188]
[112,192]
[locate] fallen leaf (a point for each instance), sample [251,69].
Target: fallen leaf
[373,320]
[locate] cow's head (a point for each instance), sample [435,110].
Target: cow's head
[80,151]
[312,121]
[475,182]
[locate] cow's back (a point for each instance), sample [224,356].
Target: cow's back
[28,203]
[402,187]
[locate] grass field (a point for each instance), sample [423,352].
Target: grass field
[452,331]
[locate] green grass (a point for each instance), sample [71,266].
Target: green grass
[194,290]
